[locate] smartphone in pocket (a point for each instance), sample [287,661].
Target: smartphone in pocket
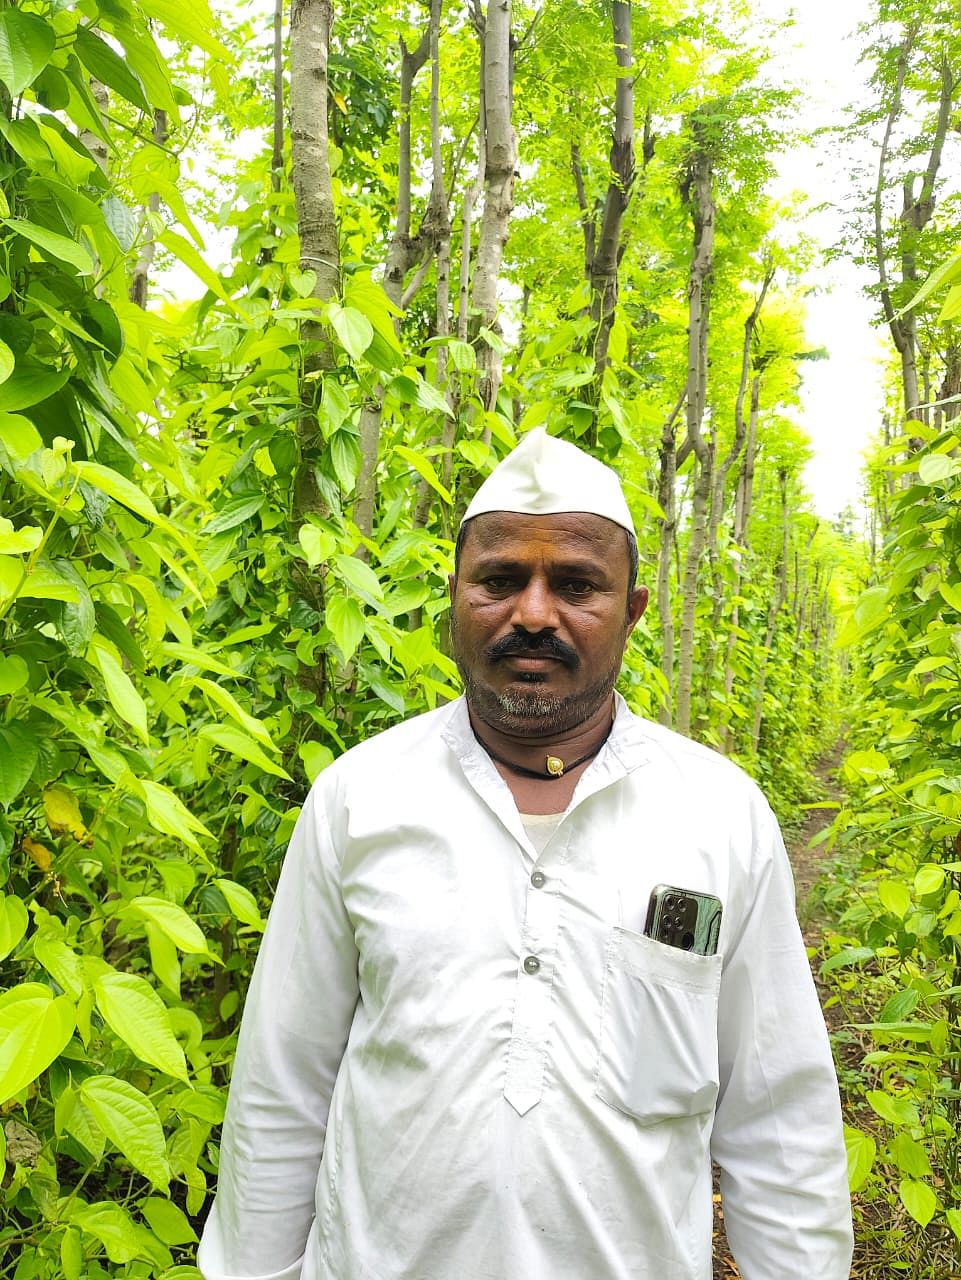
[684,918]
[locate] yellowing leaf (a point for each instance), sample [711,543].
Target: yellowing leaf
[38,853]
[63,813]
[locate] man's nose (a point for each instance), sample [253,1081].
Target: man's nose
[535,608]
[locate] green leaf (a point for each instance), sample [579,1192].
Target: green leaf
[124,698]
[18,435]
[134,1012]
[951,592]
[360,576]
[171,920]
[72,1116]
[910,1156]
[937,466]
[14,674]
[953,1217]
[346,622]
[429,398]
[18,541]
[7,359]
[316,758]
[462,356]
[865,764]
[52,244]
[107,66]
[952,305]
[35,1028]
[929,879]
[235,512]
[130,1121]
[43,582]
[354,330]
[896,1111]
[424,468]
[919,1200]
[224,699]
[27,388]
[895,897]
[26,46]
[18,756]
[897,1008]
[861,1151]
[71,1254]
[60,962]
[118,487]
[167,813]
[13,923]
[318,545]
[241,903]
[168,1222]
[111,1225]
[241,744]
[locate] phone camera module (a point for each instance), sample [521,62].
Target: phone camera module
[687,941]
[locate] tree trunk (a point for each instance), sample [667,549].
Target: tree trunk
[311,22]
[139,284]
[667,497]
[718,501]
[742,514]
[698,191]
[277,144]
[402,252]
[500,161]
[916,212]
[777,604]
[607,257]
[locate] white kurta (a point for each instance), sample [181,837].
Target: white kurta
[463,1061]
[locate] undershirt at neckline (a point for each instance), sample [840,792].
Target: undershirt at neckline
[540,827]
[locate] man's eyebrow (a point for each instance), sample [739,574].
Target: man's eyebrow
[492,563]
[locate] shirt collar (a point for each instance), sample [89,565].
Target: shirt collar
[626,749]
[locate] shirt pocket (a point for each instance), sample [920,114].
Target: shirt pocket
[658,1048]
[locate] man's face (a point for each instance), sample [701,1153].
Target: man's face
[541,612]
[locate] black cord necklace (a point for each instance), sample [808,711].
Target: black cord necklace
[554,766]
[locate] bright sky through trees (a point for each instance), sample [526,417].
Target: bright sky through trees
[841,396]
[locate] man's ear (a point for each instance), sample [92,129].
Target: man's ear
[636,606]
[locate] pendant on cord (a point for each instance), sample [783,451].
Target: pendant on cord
[554,766]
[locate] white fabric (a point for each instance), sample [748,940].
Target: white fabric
[539,828]
[545,476]
[491,1123]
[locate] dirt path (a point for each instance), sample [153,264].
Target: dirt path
[807,864]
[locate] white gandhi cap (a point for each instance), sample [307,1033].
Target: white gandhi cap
[545,476]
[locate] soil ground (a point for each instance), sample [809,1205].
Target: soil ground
[807,864]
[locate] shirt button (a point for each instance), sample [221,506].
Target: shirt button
[531,964]
[538,879]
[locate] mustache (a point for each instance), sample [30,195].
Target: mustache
[526,644]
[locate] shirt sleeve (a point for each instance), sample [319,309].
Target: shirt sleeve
[778,1135]
[295,1025]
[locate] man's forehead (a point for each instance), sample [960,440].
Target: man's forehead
[496,530]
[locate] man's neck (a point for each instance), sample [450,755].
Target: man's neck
[530,751]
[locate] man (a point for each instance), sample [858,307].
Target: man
[462,1058]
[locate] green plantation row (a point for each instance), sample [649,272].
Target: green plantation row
[225,524]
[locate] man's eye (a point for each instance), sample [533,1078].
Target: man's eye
[498,584]
[578,587]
